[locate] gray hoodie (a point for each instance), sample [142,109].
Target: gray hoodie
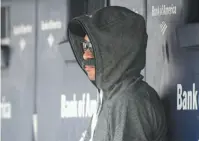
[130,109]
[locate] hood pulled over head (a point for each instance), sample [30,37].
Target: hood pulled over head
[119,40]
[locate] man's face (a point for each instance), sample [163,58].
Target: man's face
[89,55]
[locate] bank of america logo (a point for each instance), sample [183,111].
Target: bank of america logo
[50,40]
[22,44]
[187,100]
[163,27]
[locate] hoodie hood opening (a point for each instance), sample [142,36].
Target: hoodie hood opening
[119,41]
[76,34]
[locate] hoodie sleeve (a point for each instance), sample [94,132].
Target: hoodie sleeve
[134,119]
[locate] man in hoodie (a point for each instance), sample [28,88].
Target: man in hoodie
[110,47]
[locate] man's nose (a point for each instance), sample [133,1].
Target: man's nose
[87,55]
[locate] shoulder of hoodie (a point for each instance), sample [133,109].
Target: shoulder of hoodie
[144,96]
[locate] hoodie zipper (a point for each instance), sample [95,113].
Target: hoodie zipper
[96,115]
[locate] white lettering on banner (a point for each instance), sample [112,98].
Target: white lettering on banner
[77,108]
[51,24]
[6,109]
[22,29]
[161,10]
[187,100]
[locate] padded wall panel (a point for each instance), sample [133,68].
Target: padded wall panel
[62,88]
[18,80]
